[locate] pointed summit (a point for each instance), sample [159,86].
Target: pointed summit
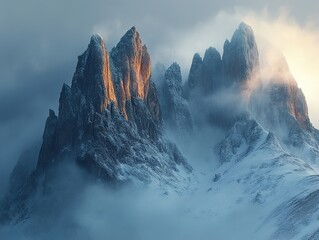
[96,39]
[195,71]
[133,62]
[241,57]
[129,44]
[205,73]
[212,65]
[176,113]
[93,76]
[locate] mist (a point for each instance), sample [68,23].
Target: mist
[77,207]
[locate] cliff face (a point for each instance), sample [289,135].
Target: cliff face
[240,57]
[281,105]
[133,64]
[94,64]
[176,112]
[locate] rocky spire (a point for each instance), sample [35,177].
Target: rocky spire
[279,103]
[133,62]
[175,108]
[211,70]
[205,74]
[93,76]
[48,147]
[240,57]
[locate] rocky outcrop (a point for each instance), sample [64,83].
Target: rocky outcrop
[240,57]
[279,103]
[205,74]
[94,64]
[132,62]
[195,72]
[240,63]
[280,106]
[175,108]
[211,71]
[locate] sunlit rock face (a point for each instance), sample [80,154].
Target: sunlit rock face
[93,75]
[281,105]
[133,64]
[240,57]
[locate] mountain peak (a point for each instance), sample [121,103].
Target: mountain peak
[93,76]
[195,71]
[133,61]
[133,29]
[245,27]
[241,57]
[130,41]
[174,69]
[96,38]
[176,112]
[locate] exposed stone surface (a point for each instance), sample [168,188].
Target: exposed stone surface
[240,62]
[175,108]
[280,106]
[195,72]
[211,71]
[240,57]
[133,64]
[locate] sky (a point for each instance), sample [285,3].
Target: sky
[40,42]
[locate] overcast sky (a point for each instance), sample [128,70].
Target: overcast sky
[40,41]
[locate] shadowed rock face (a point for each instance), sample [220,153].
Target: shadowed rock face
[211,70]
[239,63]
[175,108]
[133,64]
[195,73]
[240,57]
